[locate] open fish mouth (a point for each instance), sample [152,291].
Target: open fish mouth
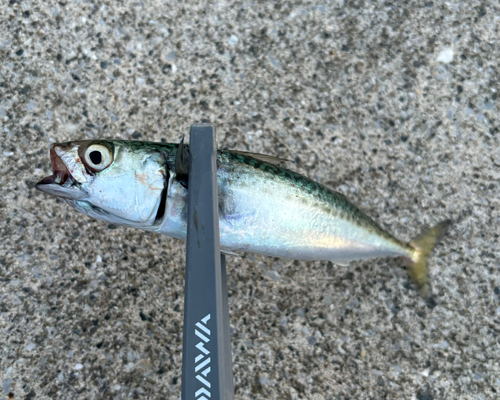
[61,183]
[61,172]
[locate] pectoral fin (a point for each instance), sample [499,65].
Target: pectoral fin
[182,164]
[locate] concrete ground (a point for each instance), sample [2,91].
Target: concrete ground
[392,103]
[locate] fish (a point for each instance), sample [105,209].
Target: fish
[264,208]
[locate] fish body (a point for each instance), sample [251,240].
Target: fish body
[263,208]
[270,210]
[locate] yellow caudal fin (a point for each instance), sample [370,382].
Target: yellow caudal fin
[417,268]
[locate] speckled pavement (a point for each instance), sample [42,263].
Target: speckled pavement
[392,103]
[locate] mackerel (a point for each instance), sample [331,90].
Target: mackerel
[263,207]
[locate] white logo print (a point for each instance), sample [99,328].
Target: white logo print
[202,360]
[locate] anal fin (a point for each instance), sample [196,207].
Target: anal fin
[229,252]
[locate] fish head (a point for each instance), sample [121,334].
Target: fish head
[115,181]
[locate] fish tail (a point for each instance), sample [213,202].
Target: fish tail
[417,266]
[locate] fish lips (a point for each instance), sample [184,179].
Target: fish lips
[61,183]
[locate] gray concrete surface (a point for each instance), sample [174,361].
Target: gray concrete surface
[392,103]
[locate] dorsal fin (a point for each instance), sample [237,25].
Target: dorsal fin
[262,157]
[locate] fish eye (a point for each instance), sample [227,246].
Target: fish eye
[98,157]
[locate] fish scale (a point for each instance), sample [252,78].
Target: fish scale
[336,203]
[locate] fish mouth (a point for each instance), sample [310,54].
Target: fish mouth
[61,183]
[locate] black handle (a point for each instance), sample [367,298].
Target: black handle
[206,356]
